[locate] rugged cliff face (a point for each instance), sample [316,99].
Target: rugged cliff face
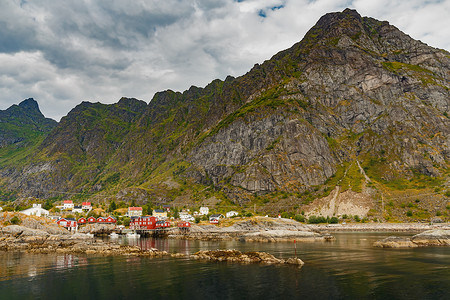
[356,104]
[354,89]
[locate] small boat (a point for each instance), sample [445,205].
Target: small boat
[114,235]
[133,235]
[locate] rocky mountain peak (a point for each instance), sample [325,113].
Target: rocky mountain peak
[30,105]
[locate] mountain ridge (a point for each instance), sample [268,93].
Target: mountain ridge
[356,98]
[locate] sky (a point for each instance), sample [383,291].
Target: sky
[64,52]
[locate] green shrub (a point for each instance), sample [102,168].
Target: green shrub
[438,213]
[15,220]
[409,213]
[317,220]
[334,220]
[299,218]
[356,218]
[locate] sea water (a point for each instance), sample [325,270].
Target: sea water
[347,268]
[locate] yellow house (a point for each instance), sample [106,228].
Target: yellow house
[160,213]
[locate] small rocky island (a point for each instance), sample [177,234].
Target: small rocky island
[436,237]
[243,257]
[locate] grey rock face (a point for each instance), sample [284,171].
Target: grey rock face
[363,84]
[260,154]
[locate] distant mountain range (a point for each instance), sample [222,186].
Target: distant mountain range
[356,106]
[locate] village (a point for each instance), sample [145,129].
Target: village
[134,222]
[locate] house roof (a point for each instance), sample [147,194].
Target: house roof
[134,208]
[68,202]
[216,216]
[86,203]
[159,210]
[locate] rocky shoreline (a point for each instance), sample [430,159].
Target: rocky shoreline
[256,229]
[436,237]
[377,227]
[83,244]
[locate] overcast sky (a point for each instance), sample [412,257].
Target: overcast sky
[64,52]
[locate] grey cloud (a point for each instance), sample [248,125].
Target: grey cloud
[64,52]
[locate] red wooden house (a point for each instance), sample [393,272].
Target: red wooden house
[162,224]
[68,223]
[110,220]
[143,223]
[91,220]
[82,221]
[184,224]
[101,220]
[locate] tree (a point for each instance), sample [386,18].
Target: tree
[48,205]
[112,206]
[126,221]
[145,210]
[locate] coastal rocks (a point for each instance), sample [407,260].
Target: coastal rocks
[76,244]
[395,242]
[437,237]
[257,229]
[243,257]
[98,229]
[440,237]
[279,236]
[30,222]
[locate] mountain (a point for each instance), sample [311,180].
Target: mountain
[357,111]
[21,123]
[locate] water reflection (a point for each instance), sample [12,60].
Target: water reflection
[347,268]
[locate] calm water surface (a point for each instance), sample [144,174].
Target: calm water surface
[348,268]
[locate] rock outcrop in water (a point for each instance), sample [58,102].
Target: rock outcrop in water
[243,257]
[437,237]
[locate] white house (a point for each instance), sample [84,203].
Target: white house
[36,210]
[216,217]
[86,206]
[204,210]
[1,208]
[78,209]
[185,216]
[134,211]
[231,214]
[68,205]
